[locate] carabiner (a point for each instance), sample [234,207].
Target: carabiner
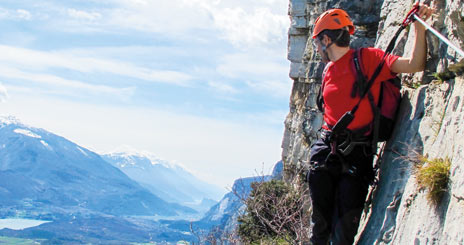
[410,16]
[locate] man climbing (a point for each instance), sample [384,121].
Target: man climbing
[338,179]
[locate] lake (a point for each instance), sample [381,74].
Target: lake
[19,224]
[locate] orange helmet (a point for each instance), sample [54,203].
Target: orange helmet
[333,19]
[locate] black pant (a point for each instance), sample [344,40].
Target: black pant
[337,196]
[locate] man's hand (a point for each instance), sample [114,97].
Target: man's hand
[416,62]
[424,12]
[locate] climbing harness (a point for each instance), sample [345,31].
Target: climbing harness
[335,162]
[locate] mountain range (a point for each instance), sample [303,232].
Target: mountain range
[47,177]
[170,182]
[44,173]
[115,198]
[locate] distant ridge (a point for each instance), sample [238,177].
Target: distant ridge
[169,181]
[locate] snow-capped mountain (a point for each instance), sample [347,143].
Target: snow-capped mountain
[166,180]
[44,174]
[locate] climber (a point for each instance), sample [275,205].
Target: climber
[338,182]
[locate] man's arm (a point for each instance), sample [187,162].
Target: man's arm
[416,62]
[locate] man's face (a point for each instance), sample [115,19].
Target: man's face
[317,45]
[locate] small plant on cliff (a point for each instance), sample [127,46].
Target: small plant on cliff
[276,213]
[444,75]
[413,85]
[450,72]
[433,175]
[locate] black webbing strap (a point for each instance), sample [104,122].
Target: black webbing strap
[360,83]
[375,123]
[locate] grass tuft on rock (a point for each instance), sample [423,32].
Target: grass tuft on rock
[433,175]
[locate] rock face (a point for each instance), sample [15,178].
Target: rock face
[429,122]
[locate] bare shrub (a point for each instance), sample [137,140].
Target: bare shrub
[276,212]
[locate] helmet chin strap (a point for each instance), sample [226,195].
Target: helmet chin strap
[325,57]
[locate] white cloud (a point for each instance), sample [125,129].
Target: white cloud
[272,118]
[262,70]
[272,87]
[168,17]
[242,23]
[40,60]
[23,14]
[256,28]
[56,81]
[80,14]
[223,87]
[3,13]
[18,14]
[3,93]
[249,64]
[248,23]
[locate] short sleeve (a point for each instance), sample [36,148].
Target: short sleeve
[372,58]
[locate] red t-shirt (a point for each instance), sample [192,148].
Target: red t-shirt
[338,84]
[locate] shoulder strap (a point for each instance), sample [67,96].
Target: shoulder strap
[360,82]
[357,60]
[320,99]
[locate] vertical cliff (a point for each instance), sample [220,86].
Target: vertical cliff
[429,123]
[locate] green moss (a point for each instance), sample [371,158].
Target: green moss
[433,175]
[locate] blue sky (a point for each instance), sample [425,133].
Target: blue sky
[203,83]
